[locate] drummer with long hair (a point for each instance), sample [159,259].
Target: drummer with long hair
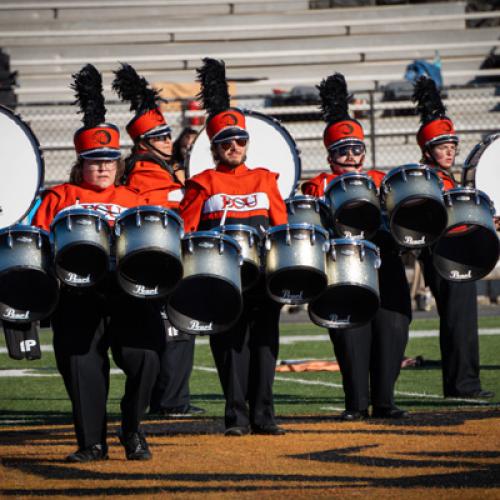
[456,301]
[369,356]
[232,193]
[89,321]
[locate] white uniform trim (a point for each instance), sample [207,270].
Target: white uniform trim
[236,202]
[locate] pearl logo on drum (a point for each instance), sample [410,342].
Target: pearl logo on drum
[409,240]
[456,275]
[77,279]
[144,290]
[195,325]
[287,294]
[24,239]
[335,318]
[12,314]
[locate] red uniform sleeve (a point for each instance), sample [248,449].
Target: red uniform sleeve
[310,188]
[47,210]
[377,176]
[277,208]
[191,205]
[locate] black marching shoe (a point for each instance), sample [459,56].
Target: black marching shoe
[237,431]
[393,412]
[136,447]
[478,394]
[89,454]
[268,430]
[353,415]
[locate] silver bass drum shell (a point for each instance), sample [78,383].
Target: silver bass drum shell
[251,243]
[352,296]
[354,205]
[28,289]
[412,197]
[308,210]
[295,262]
[81,239]
[468,250]
[208,299]
[148,251]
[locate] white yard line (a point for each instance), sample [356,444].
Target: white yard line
[293,339]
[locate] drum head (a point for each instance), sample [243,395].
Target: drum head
[21,173]
[270,147]
[487,170]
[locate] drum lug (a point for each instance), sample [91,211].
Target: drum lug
[267,243]
[221,246]
[386,189]
[98,225]
[427,174]
[447,199]
[291,208]
[362,253]
[190,246]
[316,205]
[326,246]
[378,260]
[404,176]
[477,199]
[342,184]
[333,252]
[10,240]
[117,229]
[313,238]
[165,220]
[288,237]
[69,225]
[39,241]
[241,260]
[251,241]
[138,222]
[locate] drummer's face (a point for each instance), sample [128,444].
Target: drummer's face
[232,152]
[163,143]
[444,154]
[347,159]
[100,173]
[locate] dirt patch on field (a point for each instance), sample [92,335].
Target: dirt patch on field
[448,454]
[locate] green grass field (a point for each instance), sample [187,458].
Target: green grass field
[42,399]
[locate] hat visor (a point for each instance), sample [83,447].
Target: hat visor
[157,132]
[440,139]
[230,133]
[348,141]
[101,154]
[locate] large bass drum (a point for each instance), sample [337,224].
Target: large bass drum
[271,146]
[22,169]
[28,289]
[482,168]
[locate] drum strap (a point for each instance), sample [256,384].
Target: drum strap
[135,157]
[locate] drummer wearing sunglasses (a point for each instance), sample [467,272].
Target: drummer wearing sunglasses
[369,356]
[456,301]
[232,193]
[89,321]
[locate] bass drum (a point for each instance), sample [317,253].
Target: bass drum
[22,169]
[481,168]
[271,146]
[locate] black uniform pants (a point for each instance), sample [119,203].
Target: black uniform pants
[370,356]
[458,330]
[85,326]
[245,358]
[171,389]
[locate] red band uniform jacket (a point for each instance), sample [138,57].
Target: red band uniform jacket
[248,196]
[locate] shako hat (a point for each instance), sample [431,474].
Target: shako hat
[96,139]
[435,127]
[341,129]
[148,121]
[223,122]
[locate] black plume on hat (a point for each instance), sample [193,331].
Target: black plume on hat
[135,89]
[334,98]
[87,85]
[428,99]
[214,92]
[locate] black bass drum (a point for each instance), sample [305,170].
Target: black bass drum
[271,147]
[22,169]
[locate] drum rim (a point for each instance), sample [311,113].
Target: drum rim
[410,166]
[33,139]
[348,175]
[238,227]
[149,208]
[355,241]
[24,228]
[474,151]
[78,211]
[212,234]
[305,197]
[468,190]
[297,225]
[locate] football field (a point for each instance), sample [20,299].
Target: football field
[449,447]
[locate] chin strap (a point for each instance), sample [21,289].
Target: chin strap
[343,165]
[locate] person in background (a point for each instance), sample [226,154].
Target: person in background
[179,152]
[456,302]
[369,356]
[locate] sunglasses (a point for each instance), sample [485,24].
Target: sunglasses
[227,144]
[356,150]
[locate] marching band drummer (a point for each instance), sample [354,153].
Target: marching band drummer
[87,323]
[456,302]
[369,356]
[149,172]
[246,355]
